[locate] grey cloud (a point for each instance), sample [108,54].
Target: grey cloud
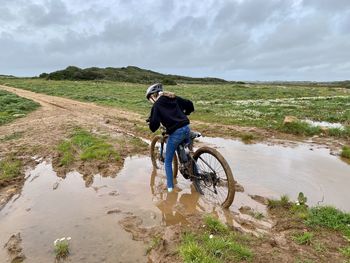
[327,5]
[54,12]
[126,32]
[6,14]
[249,38]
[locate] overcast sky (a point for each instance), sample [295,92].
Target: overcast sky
[230,39]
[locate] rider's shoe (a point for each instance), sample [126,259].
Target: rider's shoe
[170,189]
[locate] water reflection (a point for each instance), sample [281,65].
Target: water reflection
[174,206]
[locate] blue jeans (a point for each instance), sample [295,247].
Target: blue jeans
[174,139]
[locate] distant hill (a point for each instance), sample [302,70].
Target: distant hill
[6,76]
[125,74]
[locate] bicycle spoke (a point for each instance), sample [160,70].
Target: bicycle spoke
[209,166]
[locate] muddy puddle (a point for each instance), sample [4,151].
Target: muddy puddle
[50,207]
[274,170]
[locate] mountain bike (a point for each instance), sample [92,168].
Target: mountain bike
[206,168]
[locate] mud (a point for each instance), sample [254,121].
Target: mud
[14,249]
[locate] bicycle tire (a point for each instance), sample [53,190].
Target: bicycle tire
[155,155]
[199,182]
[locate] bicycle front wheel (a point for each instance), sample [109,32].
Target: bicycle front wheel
[157,160]
[213,176]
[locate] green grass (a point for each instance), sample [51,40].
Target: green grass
[283,202]
[319,216]
[12,136]
[61,249]
[258,215]
[345,251]
[10,168]
[215,226]
[86,146]
[303,238]
[330,217]
[153,244]
[345,152]
[67,153]
[247,105]
[215,244]
[248,137]
[12,107]
[300,128]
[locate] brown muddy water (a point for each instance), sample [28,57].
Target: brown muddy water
[274,170]
[50,207]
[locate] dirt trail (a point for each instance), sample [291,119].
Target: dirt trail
[57,111]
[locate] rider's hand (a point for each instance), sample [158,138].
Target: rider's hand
[148,119]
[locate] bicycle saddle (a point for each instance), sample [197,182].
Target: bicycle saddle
[194,135]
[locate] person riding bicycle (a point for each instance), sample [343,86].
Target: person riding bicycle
[170,111]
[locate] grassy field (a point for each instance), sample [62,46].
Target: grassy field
[12,107]
[246,105]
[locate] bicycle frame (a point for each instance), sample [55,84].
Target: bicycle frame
[194,165]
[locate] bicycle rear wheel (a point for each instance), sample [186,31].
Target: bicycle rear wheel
[213,176]
[156,158]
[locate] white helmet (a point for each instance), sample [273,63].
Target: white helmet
[155,88]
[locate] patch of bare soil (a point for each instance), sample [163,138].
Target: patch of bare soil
[162,241]
[14,249]
[8,188]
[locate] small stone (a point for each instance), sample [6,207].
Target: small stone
[18,115]
[245,209]
[114,211]
[153,215]
[289,119]
[11,191]
[55,186]
[239,188]
[260,199]
[113,193]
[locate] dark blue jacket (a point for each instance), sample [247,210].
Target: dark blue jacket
[170,111]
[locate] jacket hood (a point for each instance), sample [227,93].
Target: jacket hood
[168,94]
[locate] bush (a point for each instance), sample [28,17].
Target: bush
[43,75]
[169,82]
